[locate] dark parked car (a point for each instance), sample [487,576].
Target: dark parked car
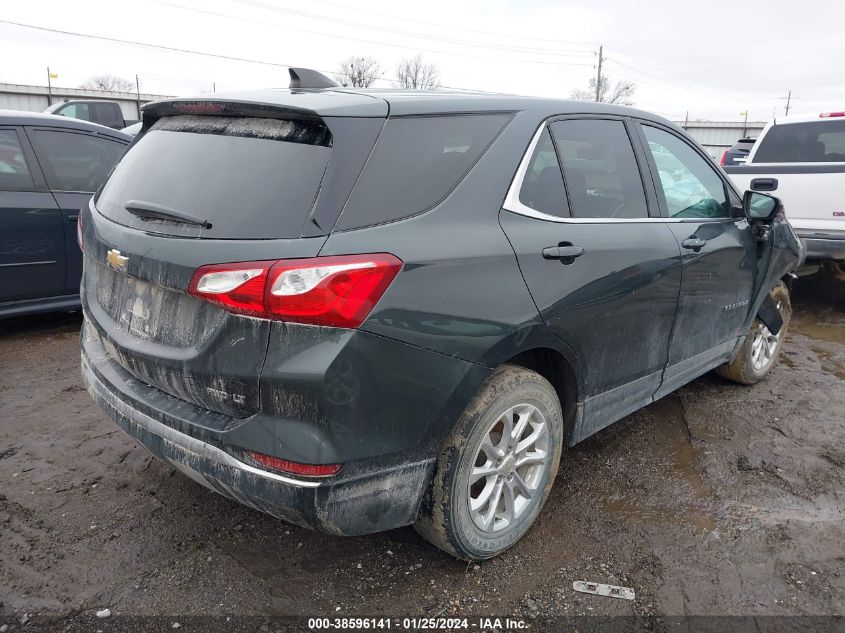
[357,310]
[738,152]
[49,167]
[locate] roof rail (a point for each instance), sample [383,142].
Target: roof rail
[305,78]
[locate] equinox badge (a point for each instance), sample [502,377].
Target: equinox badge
[116,260]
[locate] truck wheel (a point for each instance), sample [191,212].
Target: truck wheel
[497,466]
[837,270]
[761,348]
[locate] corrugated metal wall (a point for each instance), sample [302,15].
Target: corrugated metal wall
[35,99]
[717,136]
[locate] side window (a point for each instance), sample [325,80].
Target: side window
[75,111]
[416,163]
[542,187]
[14,172]
[74,161]
[601,173]
[691,187]
[105,113]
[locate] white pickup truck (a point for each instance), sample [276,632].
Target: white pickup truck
[801,160]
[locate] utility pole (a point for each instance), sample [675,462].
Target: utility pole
[744,122]
[788,99]
[686,120]
[138,94]
[49,88]
[598,73]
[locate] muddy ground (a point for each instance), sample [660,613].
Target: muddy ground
[718,499]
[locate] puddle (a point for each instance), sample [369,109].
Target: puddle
[829,332]
[671,458]
[829,364]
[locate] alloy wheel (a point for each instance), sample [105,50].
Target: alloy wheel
[509,468]
[764,345]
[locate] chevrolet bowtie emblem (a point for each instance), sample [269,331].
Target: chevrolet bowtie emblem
[116,260]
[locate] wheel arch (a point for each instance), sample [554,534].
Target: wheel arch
[554,366]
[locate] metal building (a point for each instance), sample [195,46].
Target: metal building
[717,136]
[37,98]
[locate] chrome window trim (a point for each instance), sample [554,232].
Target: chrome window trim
[514,205]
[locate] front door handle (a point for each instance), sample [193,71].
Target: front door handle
[563,252]
[694,243]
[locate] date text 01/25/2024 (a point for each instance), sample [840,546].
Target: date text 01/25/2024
[421,623]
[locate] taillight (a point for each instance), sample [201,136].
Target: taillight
[335,291]
[295,468]
[79,231]
[724,157]
[827,115]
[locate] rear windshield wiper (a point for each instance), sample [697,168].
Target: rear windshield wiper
[150,211]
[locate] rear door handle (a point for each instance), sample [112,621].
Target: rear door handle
[563,252]
[694,243]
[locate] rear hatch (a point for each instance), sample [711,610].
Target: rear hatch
[210,183]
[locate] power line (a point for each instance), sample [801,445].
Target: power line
[414,34]
[459,28]
[229,16]
[144,44]
[666,85]
[187,51]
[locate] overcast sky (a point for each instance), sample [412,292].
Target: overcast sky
[713,59]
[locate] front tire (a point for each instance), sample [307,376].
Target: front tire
[497,467]
[760,350]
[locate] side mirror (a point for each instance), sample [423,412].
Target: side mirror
[760,206]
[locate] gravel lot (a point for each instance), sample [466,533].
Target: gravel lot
[718,499]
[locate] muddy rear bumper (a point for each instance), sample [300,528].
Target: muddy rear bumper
[361,503]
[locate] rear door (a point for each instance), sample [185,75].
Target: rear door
[603,272]
[721,258]
[257,185]
[32,243]
[75,164]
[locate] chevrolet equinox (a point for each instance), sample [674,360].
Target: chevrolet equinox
[356,310]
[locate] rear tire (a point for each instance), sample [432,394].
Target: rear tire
[760,350]
[496,469]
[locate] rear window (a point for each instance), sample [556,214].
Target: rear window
[416,163]
[74,161]
[250,178]
[810,142]
[14,172]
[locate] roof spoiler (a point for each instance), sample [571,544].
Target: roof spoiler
[306,79]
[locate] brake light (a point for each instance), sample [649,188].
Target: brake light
[334,291]
[724,157]
[79,231]
[192,107]
[295,468]
[827,115]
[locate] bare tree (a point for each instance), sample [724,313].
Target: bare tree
[414,74]
[621,93]
[358,72]
[109,82]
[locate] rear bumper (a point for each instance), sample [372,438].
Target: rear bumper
[827,245]
[363,498]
